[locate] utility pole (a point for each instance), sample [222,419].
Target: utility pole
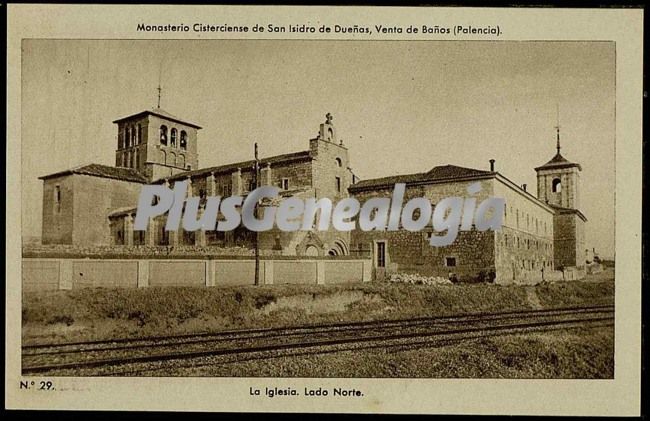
[256,170]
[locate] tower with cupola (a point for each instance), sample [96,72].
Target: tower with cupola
[558,185]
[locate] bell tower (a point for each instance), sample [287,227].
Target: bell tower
[558,185]
[156,143]
[558,181]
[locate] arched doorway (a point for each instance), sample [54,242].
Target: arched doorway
[340,248]
[311,250]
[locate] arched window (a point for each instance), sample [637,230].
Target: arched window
[163,157]
[172,159]
[556,186]
[181,161]
[173,138]
[183,139]
[163,135]
[330,134]
[338,162]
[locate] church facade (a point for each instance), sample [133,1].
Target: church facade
[95,205]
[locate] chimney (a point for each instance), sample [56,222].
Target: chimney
[523,186]
[492,165]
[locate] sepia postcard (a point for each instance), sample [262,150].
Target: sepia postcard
[416,210]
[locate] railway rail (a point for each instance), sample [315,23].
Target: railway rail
[134,354]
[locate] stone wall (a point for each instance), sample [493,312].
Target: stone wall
[470,257]
[569,240]
[53,274]
[86,201]
[516,253]
[134,252]
[521,256]
[568,196]
[58,210]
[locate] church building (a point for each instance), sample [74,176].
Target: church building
[95,205]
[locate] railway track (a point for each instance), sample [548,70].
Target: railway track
[320,338]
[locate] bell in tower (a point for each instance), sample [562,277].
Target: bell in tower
[156,143]
[558,180]
[558,186]
[327,131]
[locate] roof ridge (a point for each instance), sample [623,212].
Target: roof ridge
[233,165]
[161,113]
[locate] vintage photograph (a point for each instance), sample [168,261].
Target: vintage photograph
[530,123]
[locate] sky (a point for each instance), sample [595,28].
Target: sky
[400,107]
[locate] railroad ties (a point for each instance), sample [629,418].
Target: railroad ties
[135,356]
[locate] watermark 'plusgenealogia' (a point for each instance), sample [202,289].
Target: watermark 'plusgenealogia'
[448,216]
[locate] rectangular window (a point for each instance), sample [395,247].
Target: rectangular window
[284,184]
[57,198]
[188,238]
[450,262]
[381,254]
[164,236]
[138,238]
[251,186]
[338,184]
[227,190]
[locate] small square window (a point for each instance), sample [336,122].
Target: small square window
[284,184]
[450,261]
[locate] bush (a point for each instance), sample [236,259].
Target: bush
[418,279]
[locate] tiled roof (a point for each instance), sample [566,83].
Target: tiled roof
[558,161]
[440,173]
[105,171]
[563,210]
[243,165]
[122,211]
[160,113]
